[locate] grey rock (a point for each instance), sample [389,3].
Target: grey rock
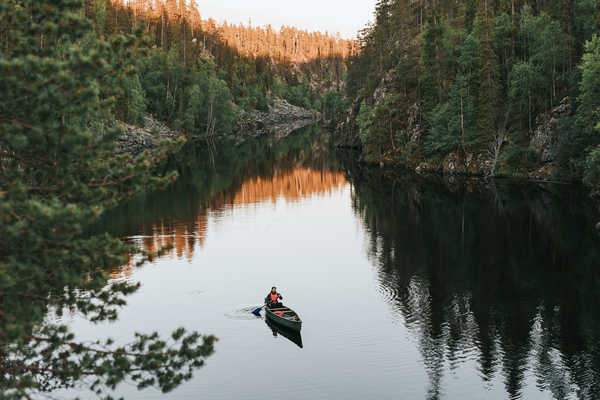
[281,119]
[413,129]
[136,139]
[347,132]
[546,132]
[384,87]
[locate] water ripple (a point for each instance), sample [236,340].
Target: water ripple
[244,313]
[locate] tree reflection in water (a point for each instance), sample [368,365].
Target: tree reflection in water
[504,274]
[294,168]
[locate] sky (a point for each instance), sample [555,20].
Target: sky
[344,16]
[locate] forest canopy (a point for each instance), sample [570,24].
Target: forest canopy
[483,77]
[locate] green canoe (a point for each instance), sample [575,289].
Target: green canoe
[284,316]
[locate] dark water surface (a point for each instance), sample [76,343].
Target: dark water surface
[408,289]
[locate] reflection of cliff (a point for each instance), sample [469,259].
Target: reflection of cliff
[185,232]
[292,185]
[293,168]
[505,277]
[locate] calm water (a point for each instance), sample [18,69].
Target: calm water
[408,289]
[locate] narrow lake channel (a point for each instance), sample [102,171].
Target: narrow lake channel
[407,288]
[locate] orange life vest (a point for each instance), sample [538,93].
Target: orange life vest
[274,297]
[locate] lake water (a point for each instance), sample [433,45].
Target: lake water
[408,288]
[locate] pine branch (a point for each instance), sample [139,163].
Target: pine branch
[89,185]
[17,122]
[79,346]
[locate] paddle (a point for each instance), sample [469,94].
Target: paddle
[258,310]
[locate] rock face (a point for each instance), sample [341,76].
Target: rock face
[414,130]
[478,164]
[543,173]
[384,87]
[452,164]
[135,139]
[546,132]
[346,133]
[281,119]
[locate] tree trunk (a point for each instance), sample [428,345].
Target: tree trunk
[496,145]
[462,126]
[529,111]
[162,29]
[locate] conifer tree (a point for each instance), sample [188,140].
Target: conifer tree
[58,173]
[588,113]
[490,89]
[527,58]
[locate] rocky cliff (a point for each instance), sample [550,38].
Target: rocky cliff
[347,132]
[281,119]
[545,138]
[486,162]
[137,139]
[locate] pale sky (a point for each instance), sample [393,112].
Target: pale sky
[343,16]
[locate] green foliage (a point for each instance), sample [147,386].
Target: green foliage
[549,53]
[333,105]
[365,121]
[571,148]
[299,95]
[580,134]
[58,174]
[161,77]
[258,100]
[180,62]
[378,132]
[488,77]
[586,139]
[196,100]
[589,109]
[502,37]
[592,170]
[434,51]
[586,23]
[453,124]
[524,82]
[478,72]
[514,154]
[535,80]
[133,101]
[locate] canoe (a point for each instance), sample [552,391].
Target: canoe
[285,316]
[290,334]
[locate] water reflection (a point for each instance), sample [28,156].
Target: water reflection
[184,233]
[501,274]
[292,335]
[493,281]
[292,169]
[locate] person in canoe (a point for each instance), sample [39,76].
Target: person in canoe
[272,299]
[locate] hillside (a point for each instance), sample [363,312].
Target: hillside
[289,44]
[182,56]
[479,87]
